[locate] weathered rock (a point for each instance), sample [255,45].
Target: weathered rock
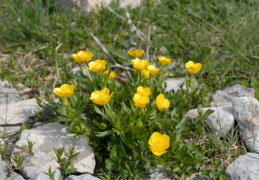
[226,96]
[54,135]
[3,84]
[246,113]
[29,171]
[8,95]
[174,83]
[4,169]
[76,69]
[9,129]
[244,167]
[82,177]
[18,112]
[40,160]
[43,176]
[202,177]
[221,120]
[15,176]
[158,174]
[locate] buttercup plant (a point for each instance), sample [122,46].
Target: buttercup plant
[125,119]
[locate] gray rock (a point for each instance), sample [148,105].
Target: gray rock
[159,174]
[4,169]
[221,120]
[82,177]
[29,171]
[18,112]
[76,69]
[245,167]
[202,177]
[246,113]
[173,83]
[226,96]
[54,135]
[9,129]
[42,176]
[15,176]
[8,95]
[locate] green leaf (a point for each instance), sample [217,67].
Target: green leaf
[104,133]
[97,110]
[118,150]
[256,87]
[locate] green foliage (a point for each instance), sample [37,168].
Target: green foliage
[255,83]
[18,159]
[30,147]
[50,174]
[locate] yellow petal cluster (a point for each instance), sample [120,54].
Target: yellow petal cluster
[145,73]
[193,67]
[144,91]
[140,64]
[101,97]
[111,75]
[65,90]
[136,53]
[164,60]
[97,65]
[152,69]
[162,102]
[83,56]
[140,101]
[159,143]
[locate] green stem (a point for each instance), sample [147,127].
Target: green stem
[87,71]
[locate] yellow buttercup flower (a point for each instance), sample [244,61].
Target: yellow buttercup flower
[140,101]
[136,53]
[97,66]
[144,91]
[164,60]
[140,64]
[162,102]
[193,67]
[159,143]
[152,69]
[65,90]
[111,75]
[145,73]
[101,97]
[83,56]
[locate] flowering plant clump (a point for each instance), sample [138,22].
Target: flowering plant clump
[123,118]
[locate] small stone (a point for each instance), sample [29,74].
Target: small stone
[4,169]
[77,69]
[244,167]
[29,171]
[202,177]
[82,177]
[226,96]
[158,174]
[246,113]
[15,176]
[174,83]
[42,176]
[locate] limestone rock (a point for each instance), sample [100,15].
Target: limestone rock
[226,96]
[76,69]
[158,174]
[4,169]
[244,167]
[8,95]
[9,129]
[246,113]
[29,171]
[202,177]
[82,177]
[54,135]
[18,112]
[221,120]
[43,176]
[173,83]
[15,176]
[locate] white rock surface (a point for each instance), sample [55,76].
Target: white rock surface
[245,167]
[30,171]
[8,95]
[76,69]
[4,169]
[82,177]
[221,120]
[226,96]
[15,176]
[173,83]
[43,176]
[18,112]
[246,113]
[54,135]
[9,129]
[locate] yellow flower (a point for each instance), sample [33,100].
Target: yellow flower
[140,64]
[111,75]
[144,91]
[152,69]
[162,102]
[65,90]
[97,66]
[193,67]
[140,101]
[83,56]
[164,60]
[136,53]
[159,143]
[101,97]
[145,73]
